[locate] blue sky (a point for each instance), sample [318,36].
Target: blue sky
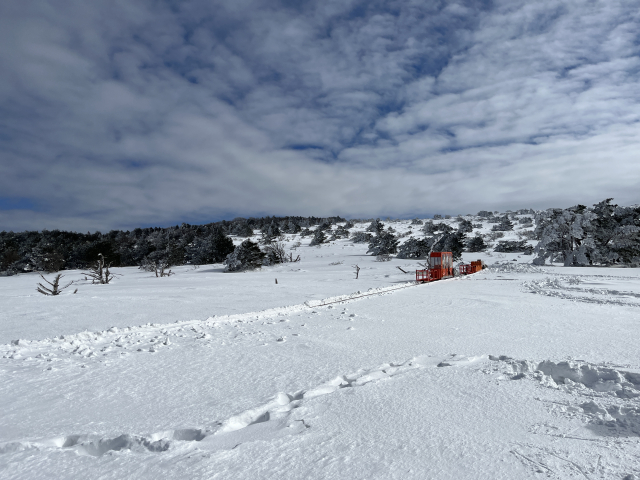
[115,114]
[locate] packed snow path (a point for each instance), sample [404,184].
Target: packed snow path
[481,377]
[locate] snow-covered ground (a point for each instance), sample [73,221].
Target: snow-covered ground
[514,372]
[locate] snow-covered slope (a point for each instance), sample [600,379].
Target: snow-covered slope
[514,372]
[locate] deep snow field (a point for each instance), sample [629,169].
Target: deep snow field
[515,372]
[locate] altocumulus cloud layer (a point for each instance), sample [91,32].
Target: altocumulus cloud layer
[124,113]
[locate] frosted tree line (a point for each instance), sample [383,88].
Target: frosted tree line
[605,234]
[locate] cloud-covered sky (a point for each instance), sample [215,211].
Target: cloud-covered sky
[117,114]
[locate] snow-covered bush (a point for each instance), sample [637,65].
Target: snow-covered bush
[246,256]
[504,225]
[361,237]
[416,221]
[511,246]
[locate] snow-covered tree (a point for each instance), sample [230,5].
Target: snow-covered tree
[504,225]
[414,248]
[376,226]
[361,237]
[476,244]
[319,238]
[385,243]
[565,235]
[246,256]
[292,227]
[241,229]
[465,226]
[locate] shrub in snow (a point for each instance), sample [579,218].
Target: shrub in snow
[510,246]
[306,232]
[416,221]
[385,257]
[349,224]
[485,214]
[318,238]
[494,236]
[525,220]
[361,237]
[246,256]
[437,217]
[383,243]
[476,244]
[340,232]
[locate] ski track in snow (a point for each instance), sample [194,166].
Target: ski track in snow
[151,338]
[281,415]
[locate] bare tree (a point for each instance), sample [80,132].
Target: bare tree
[55,286]
[99,272]
[161,268]
[357,270]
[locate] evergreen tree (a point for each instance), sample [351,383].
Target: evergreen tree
[241,229]
[385,243]
[361,237]
[504,225]
[465,226]
[246,256]
[318,238]
[413,248]
[476,244]
[376,226]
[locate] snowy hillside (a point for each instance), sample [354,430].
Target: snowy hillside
[515,372]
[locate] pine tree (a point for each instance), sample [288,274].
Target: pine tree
[476,244]
[246,256]
[413,248]
[376,226]
[319,238]
[385,243]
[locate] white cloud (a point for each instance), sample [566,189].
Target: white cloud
[125,114]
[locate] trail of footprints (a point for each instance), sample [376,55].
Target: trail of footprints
[284,414]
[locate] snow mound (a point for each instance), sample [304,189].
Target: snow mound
[612,394]
[512,267]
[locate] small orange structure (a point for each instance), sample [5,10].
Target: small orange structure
[469,268]
[440,266]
